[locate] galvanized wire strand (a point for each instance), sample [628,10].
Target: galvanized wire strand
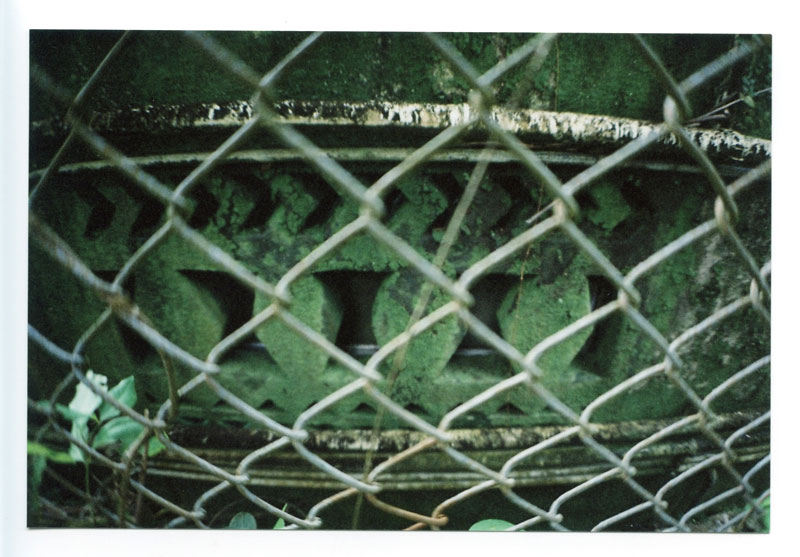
[612,161]
[252,413]
[508,250]
[414,159]
[462,496]
[225,59]
[201,463]
[328,401]
[261,453]
[739,248]
[327,346]
[328,501]
[402,513]
[222,258]
[611,520]
[129,168]
[413,258]
[452,55]
[742,516]
[553,519]
[322,251]
[704,74]
[710,503]
[274,74]
[246,130]
[211,161]
[741,432]
[539,44]
[482,398]
[663,75]
[334,472]
[534,164]
[602,262]
[672,429]
[169,505]
[341,180]
[50,347]
[570,493]
[588,320]
[240,334]
[720,389]
[275,511]
[76,106]
[673,122]
[518,458]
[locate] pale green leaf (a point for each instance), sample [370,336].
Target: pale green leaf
[122,430]
[37,449]
[71,415]
[80,431]
[125,393]
[242,521]
[280,524]
[154,446]
[765,508]
[490,525]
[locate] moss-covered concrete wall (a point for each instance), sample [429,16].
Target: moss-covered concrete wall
[590,73]
[270,215]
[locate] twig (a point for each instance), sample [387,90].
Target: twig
[712,114]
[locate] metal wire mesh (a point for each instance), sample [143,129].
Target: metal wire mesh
[718,439]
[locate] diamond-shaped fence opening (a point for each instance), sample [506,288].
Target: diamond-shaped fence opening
[399,281]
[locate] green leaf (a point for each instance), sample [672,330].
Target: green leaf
[765,508]
[154,446]
[43,405]
[39,450]
[71,415]
[80,431]
[242,521]
[125,393]
[490,525]
[748,100]
[39,464]
[280,524]
[122,430]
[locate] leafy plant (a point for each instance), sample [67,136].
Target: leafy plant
[94,421]
[246,521]
[87,408]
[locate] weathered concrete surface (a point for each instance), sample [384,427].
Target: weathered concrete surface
[269,215]
[270,220]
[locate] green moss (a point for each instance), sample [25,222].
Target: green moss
[429,352]
[592,73]
[317,307]
[535,310]
[610,207]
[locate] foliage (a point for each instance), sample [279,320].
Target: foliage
[765,509]
[94,421]
[242,521]
[246,521]
[490,525]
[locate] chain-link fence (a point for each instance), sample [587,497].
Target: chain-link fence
[404,314]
